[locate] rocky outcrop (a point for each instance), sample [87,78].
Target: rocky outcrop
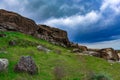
[26,64]
[105,53]
[92,53]
[109,54]
[10,21]
[78,48]
[3,64]
[53,35]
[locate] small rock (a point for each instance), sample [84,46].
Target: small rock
[41,48]
[2,35]
[12,43]
[92,53]
[3,64]
[26,64]
[76,50]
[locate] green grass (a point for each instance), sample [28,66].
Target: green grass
[75,67]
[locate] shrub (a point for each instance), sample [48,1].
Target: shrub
[100,77]
[59,72]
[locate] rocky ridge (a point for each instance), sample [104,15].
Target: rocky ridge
[10,21]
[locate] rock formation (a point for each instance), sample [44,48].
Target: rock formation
[26,64]
[14,22]
[78,48]
[109,54]
[53,35]
[92,53]
[10,21]
[3,64]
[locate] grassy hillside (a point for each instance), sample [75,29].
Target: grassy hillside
[58,63]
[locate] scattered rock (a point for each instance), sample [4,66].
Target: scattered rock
[82,48]
[93,53]
[41,48]
[119,56]
[109,54]
[12,43]
[76,50]
[26,64]
[3,64]
[2,35]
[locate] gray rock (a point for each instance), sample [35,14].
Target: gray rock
[93,53]
[3,64]
[41,48]
[26,64]
[12,43]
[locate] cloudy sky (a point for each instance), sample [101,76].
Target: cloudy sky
[95,23]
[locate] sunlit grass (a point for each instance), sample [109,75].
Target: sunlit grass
[75,67]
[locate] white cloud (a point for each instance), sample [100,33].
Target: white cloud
[112,4]
[73,21]
[90,17]
[105,44]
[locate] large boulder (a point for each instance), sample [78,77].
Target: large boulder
[109,54]
[3,64]
[10,21]
[26,64]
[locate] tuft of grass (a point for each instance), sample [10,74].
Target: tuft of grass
[100,77]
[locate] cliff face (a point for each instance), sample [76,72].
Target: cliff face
[10,21]
[53,35]
[14,22]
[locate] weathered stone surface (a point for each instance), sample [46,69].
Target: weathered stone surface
[26,64]
[109,54]
[3,64]
[11,21]
[78,48]
[82,48]
[93,53]
[41,48]
[53,35]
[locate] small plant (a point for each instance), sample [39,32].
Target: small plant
[100,77]
[59,72]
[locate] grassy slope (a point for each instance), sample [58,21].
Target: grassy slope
[75,67]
